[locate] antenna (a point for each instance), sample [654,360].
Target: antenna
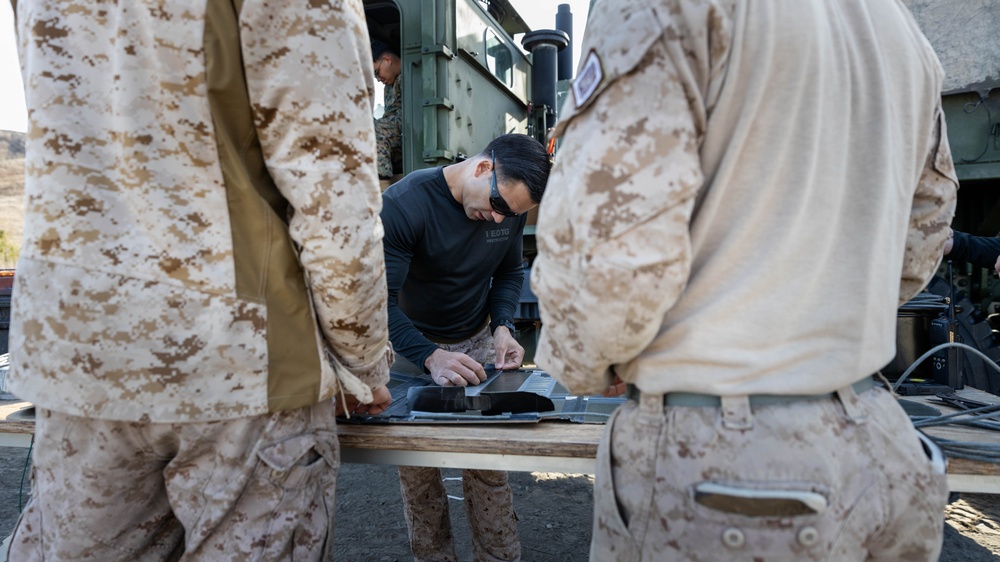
[954,353]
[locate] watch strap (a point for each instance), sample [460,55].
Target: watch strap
[502,322]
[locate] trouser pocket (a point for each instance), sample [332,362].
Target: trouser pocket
[295,484]
[623,485]
[771,520]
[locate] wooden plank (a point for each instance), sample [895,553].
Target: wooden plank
[549,439]
[14,418]
[975,468]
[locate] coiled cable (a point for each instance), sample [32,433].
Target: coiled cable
[986,417]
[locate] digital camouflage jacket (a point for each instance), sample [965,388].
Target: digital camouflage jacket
[202,237]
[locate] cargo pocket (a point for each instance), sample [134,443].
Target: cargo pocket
[613,537]
[301,474]
[771,519]
[296,462]
[938,462]
[937,496]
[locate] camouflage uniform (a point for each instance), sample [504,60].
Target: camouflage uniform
[389,130]
[489,501]
[201,256]
[746,195]
[165,490]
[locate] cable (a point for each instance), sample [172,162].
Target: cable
[27,461]
[965,417]
[986,417]
[934,350]
[993,131]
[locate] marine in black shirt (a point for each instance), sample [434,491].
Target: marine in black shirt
[440,265]
[453,267]
[453,259]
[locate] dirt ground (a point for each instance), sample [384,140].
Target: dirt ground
[554,512]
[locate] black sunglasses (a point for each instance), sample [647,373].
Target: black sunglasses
[497,202]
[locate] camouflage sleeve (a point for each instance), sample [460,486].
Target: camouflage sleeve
[626,174]
[931,214]
[310,86]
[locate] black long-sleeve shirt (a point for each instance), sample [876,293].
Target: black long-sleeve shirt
[446,273]
[977,250]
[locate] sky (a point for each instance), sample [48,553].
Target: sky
[538,14]
[12,114]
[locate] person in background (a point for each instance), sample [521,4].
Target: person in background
[453,249]
[389,127]
[747,192]
[981,251]
[201,276]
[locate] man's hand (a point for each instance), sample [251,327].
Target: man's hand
[509,353]
[616,388]
[449,368]
[996,266]
[950,242]
[381,399]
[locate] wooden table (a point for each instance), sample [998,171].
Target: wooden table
[572,448]
[966,475]
[547,446]
[17,423]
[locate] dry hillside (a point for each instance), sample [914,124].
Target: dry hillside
[11,196]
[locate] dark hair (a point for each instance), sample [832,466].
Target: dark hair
[380,48]
[521,158]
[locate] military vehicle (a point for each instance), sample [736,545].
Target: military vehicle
[465,80]
[964,36]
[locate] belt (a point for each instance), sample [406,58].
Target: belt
[695,400]
[452,341]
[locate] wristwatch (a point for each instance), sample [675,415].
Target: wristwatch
[502,322]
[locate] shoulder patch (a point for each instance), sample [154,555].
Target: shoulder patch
[588,80]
